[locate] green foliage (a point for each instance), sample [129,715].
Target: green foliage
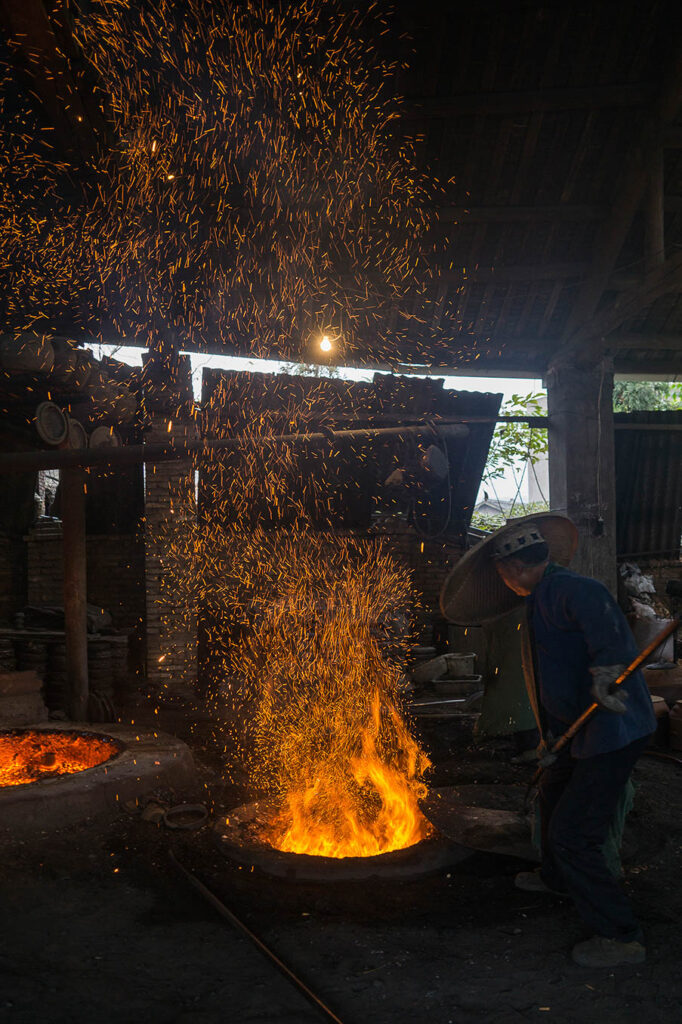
[520,508]
[309,370]
[514,447]
[636,395]
[515,444]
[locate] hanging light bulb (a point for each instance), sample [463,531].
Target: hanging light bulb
[326,343]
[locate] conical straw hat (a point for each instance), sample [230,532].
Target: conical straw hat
[474,593]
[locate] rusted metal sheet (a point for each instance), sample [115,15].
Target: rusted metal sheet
[648,485]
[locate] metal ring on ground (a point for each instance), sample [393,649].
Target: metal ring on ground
[200,812]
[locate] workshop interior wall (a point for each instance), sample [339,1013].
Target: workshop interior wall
[115,572]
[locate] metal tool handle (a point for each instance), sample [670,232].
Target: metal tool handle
[588,712]
[639,660]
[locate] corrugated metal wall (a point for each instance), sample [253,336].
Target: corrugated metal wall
[648,485]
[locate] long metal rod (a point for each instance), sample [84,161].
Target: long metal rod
[588,712]
[23,462]
[59,458]
[240,926]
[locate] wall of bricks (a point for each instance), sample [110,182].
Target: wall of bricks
[171,633]
[12,577]
[115,573]
[429,561]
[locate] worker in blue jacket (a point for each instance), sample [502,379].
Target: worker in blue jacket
[580,643]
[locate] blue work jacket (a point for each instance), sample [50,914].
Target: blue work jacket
[575,624]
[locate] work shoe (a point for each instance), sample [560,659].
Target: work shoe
[532,881]
[602,952]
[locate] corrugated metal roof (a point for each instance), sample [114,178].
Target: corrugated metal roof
[649,485]
[233,400]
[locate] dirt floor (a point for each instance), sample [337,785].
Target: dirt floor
[97,926]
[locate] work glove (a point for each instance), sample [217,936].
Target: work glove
[607,695]
[544,754]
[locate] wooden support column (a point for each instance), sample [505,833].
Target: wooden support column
[581,463]
[72,483]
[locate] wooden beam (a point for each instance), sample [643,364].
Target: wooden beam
[666,278]
[672,138]
[648,426]
[628,94]
[645,342]
[634,182]
[520,214]
[654,215]
[519,273]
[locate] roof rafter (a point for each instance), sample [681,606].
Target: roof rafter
[580,327]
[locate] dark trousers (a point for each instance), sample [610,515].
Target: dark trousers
[578,799]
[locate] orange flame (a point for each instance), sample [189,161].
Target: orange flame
[379,813]
[31,756]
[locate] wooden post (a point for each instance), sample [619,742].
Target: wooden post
[75,591]
[582,463]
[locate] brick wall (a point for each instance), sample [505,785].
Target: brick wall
[12,577]
[115,573]
[171,640]
[429,561]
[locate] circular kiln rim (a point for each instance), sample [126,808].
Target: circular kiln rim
[21,730]
[427,857]
[146,761]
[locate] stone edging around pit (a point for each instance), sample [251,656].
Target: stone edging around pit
[146,762]
[430,856]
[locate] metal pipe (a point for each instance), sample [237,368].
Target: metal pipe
[75,591]
[22,462]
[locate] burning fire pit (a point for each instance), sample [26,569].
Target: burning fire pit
[31,755]
[244,837]
[51,778]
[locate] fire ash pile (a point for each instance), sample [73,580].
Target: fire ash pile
[32,756]
[306,629]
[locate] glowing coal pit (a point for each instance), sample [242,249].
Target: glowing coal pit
[32,756]
[370,809]
[243,837]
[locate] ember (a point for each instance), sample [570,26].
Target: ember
[33,756]
[307,630]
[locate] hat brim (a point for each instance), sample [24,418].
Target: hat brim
[474,593]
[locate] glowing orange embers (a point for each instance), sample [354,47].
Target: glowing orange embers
[308,632]
[370,809]
[32,756]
